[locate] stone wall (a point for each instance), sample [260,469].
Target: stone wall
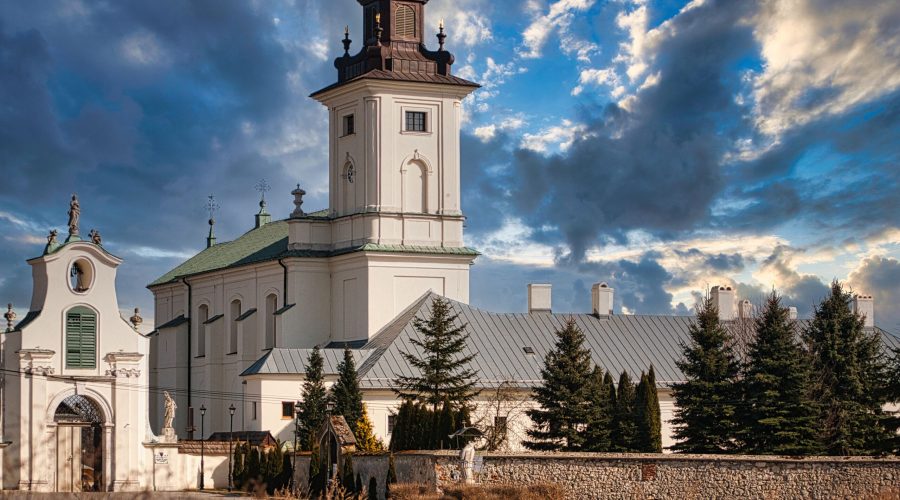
[620,476]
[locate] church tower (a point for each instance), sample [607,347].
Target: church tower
[394,216]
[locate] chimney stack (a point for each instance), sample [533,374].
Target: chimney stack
[864,305]
[602,299]
[792,312]
[746,309]
[539,298]
[723,300]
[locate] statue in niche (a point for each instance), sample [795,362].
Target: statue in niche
[79,285]
[74,215]
[170,411]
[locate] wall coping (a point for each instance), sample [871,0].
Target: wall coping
[665,457]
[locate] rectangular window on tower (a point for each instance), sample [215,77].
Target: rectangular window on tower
[349,126]
[287,410]
[416,121]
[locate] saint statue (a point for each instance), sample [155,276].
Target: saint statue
[51,238]
[170,411]
[74,215]
[95,237]
[467,463]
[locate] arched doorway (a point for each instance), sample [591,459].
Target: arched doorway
[79,445]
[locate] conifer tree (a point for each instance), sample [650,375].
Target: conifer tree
[237,468]
[391,477]
[892,422]
[372,492]
[647,415]
[401,435]
[777,416]
[624,432]
[849,378]
[345,393]
[314,400]
[706,412]
[598,436]
[444,426]
[365,435]
[317,471]
[347,479]
[443,368]
[564,395]
[253,465]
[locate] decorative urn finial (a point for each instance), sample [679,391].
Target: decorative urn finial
[136,320]
[347,41]
[441,36]
[378,29]
[298,202]
[10,318]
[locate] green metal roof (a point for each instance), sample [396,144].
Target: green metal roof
[270,242]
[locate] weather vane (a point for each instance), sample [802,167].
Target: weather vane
[263,187]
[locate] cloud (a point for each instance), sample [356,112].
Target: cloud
[590,77]
[880,277]
[560,137]
[558,18]
[822,58]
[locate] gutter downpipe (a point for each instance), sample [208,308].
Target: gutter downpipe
[284,295]
[190,424]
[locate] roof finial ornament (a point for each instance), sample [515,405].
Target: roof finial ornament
[95,237]
[298,202]
[52,242]
[74,218]
[136,320]
[10,318]
[212,207]
[441,36]
[378,29]
[263,217]
[347,41]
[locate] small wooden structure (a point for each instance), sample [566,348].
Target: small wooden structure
[335,441]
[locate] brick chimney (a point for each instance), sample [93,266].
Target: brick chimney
[602,299]
[864,305]
[792,312]
[539,296]
[723,300]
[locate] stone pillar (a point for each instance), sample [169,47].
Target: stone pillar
[108,454]
[37,473]
[166,467]
[125,368]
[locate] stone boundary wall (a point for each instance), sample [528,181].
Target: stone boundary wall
[638,476]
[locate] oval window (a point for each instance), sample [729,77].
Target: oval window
[81,276]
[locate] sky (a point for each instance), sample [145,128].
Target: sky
[661,146]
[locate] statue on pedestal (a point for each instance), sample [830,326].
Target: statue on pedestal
[467,463]
[169,417]
[74,215]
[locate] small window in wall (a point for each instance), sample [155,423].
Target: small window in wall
[81,338]
[202,317]
[253,415]
[392,419]
[287,410]
[416,121]
[233,334]
[349,126]
[271,308]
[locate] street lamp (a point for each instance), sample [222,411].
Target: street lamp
[243,403]
[230,446]
[202,450]
[297,410]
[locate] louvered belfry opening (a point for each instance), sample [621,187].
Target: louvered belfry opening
[405,22]
[81,338]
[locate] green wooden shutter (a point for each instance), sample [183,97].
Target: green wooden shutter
[81,338]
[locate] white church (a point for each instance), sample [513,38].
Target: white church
[236,322]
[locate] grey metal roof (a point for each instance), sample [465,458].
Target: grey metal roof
[293,361]
[617,343]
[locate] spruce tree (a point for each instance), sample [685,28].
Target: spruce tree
[345,393]
[402,432]
[848,378]
[313,401]
[892,422]
[647,416]
[599,428]
[237,468]
[564,395]
[706,402]
[625,429]
[443,368]
[365,435]
[777,416]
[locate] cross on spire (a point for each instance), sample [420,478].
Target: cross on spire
[263,187]
[212,207]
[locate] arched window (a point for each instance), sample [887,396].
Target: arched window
[81,338]
[414,188]
[271,308]
[405,22]
[202,317]
[233,334]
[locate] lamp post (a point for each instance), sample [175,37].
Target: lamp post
[202,449]
[230,446]
[243,403]
[297,410]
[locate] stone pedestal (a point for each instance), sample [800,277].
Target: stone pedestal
[165,466]
[168,436]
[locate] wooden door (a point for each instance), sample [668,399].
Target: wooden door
[68,459]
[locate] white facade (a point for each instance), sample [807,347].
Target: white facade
[75,386]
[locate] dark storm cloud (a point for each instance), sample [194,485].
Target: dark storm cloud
[657,166]
[880,277]
[717,262]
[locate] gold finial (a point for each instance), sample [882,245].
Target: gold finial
[442,23]
[378,18]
